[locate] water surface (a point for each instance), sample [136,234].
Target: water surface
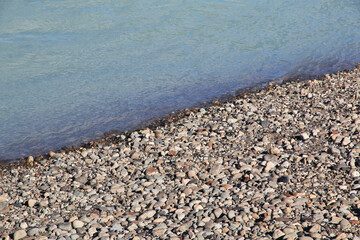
[71,70]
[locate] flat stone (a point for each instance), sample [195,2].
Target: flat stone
[315,228]
[33,232]
[19,234]
[341,236]
[336,220]
[65,226]
[278,234]
[147,215]
[270,166]
[77,224]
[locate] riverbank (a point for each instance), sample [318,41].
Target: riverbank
[281,163]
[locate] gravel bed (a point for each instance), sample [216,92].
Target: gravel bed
[282,163]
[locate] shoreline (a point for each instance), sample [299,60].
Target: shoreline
[115,135]
[282,162]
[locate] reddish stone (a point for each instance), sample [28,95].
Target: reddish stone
[172,153]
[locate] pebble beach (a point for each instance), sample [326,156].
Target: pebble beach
[279,163]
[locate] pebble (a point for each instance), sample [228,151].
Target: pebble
[77,224]
[269,166]
[147,215]
[315,229]
[305,136]
[33,232]
[65,226]
[19,234]
[278,234]
[345,225]
[32,202]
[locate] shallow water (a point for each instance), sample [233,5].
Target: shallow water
[71,70]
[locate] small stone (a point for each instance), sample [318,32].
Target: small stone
[73,219]
[135,155]
[355,173]
[335,151]
[77,224]
[159,230]
[3,198]
[32,202]
[218,212]
[316,235]
[192,174]
[345,225]
[215,170]
[278,234]
[341,236]
[19,234]
[346,141]
[116,188]
[172,153]
[151,171]
[23,225]
[354,222]
[270,158]
[315,229]
[335,219]
[269,166]
[304,136]
[33,232]
[231,214]
[65,226]
[198,207]
[147,215]
[92,231]
[75,236]
[159,220]
[117,228]
[185,227]
[44,203]
[288,230]
[287,210]
[132,227]
[290,236]
[84,153]
[51,154]
[227,186]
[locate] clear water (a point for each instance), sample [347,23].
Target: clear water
[73,69]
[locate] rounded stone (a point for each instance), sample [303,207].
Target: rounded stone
[19,234]
[77,224]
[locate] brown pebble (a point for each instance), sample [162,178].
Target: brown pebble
[172,153]
[151,171]
[227,186]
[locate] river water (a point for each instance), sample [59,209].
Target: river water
[71,70]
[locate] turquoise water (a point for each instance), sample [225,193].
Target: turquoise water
[71,70]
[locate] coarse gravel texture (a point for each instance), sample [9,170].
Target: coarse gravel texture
[281,163]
